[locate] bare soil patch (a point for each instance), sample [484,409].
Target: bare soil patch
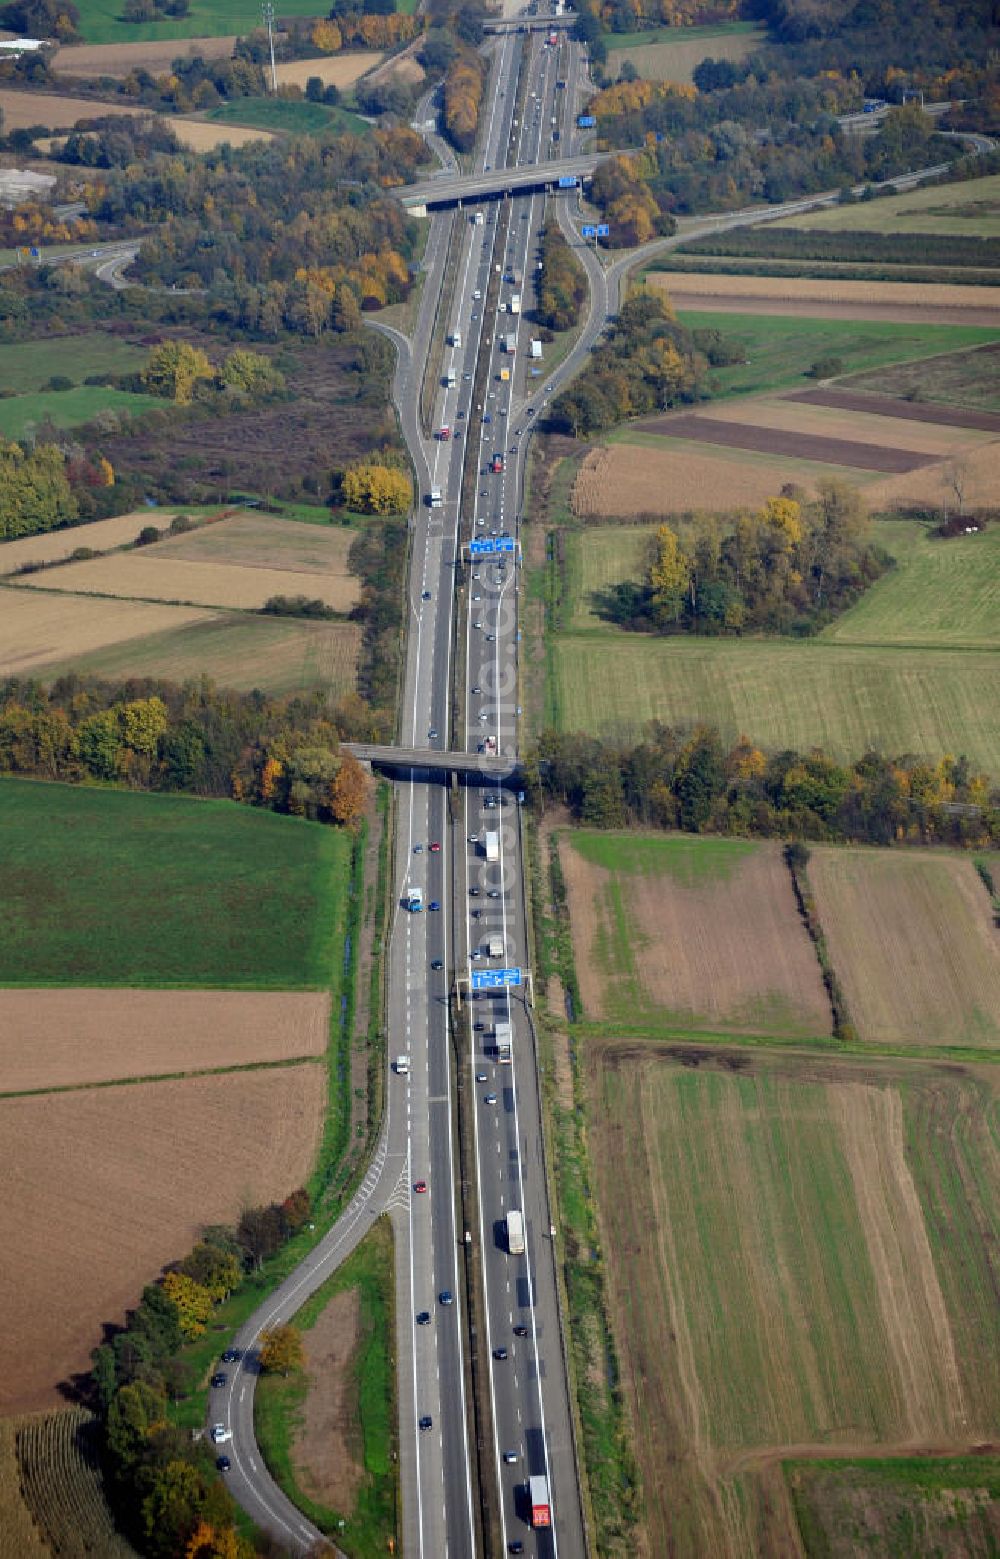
[782,441]
[104,1186]
[982,472]
[782,414]
[326,1452]
[120,59]
[147,577]
[403,66]
[904,411]
[65,1038]
[619,479]
[912,940]
[36,628]
[23,110]
[723,950]
[339,70]
[933,303]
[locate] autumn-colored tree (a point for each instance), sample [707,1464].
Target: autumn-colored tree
[215,1269]
[326,36]
[349,790]
[251,372]
[463,94]
[194,1303]
[668,574]
[372,488]
[35,494]
[215,1542]
[281,1350]
[174,368]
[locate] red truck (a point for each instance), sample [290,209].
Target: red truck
[541,1513]
[445,434]
[497,463]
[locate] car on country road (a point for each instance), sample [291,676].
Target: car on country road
[223,1463]
[219,1379]
[232,1355]
[220,1433]
[446,1297]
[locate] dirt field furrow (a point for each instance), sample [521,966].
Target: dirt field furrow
[778,441]
[906,411]
[67,1038]
[86,1229]
[827,298]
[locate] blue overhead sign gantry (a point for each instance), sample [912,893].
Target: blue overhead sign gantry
[489,544]
[596,230]
[493,979]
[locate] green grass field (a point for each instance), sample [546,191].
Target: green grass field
[940,593]
[29,365]
[685,860]
[279,1403]
[299,118]
[673,53]
[277,655]
[68,408]
[783,693]
[920,1505]
[780,348]
[100,20]
[775,1281]
[106,887]
[597,558]
[970,209]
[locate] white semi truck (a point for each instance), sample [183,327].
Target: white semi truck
[504,1035]
[492,846]
[515,1233]
[414,900]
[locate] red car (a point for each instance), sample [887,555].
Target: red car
[434,848]
[421,1185]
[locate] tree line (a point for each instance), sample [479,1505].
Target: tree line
[463,98]
[562,282]
[648,362]
[867,246]
[280,754]
[690,779]
[162,1484]
[789,567]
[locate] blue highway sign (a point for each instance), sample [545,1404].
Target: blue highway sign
[489,544]
[494,979]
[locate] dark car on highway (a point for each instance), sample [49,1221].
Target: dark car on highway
[223,1463]
[219,1379]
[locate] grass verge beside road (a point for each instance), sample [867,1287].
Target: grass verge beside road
[360,1393]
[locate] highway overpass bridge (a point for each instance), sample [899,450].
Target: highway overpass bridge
[463,765]
[506,24]
[446,190]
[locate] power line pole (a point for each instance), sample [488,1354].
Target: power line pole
[267,12]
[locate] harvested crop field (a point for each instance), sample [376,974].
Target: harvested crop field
[912,939]
[981,468]
[24,110]
[236,650]
[875,405]
[200,136]
[967,208]
[100,536]
[784,693]
[338,70]
[777,1276]
[250,540]
[670,60]
[699,934]
[780,441]
[120,59]
[52,1496]
[790,414]
[621,479]
[85,1230]
[69,1038]
[153,575]
[36,629]
[929,303]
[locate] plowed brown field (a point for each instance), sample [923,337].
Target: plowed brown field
[103,1186]
[912,940]
[66,1038]
[900,302]
[785,414]
[785,441]
[906,411]
[932,485]
[22,110]
[704,935]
